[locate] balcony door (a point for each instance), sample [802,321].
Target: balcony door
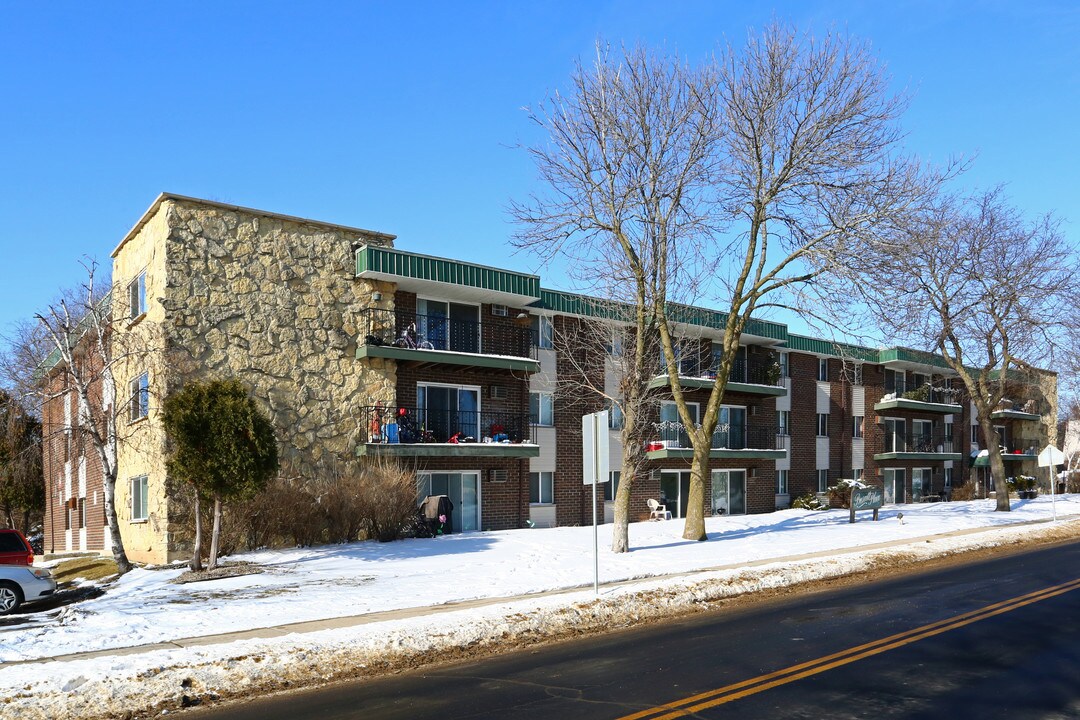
[729,492]
[731,428]
[894,486]
[448,325]
[463,489]
[675,491]
[445,410]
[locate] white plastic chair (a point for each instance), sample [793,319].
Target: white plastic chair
[658,511]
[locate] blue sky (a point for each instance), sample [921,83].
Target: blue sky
[403,117]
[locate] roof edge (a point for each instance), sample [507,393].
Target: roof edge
[162,197]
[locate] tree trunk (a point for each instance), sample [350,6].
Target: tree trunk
[695,504]
[620,532]
[216,533]
[120,557]
[196,556]
[997,465]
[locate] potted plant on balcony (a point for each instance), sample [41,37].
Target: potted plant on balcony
[921,394]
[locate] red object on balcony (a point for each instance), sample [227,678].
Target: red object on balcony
[654,446]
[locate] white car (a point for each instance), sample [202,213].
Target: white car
[22,583]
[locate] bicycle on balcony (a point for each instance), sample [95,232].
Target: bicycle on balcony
[412,340]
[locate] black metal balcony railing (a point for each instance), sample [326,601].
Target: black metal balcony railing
[410,425]
[922,393]
[923,443]
[379,326]
[742,371]
[725,437]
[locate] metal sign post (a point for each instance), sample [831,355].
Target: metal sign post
[1049,458]
[595,460]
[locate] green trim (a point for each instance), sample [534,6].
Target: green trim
[717,454]
[505,450]
[918,456]
[918,406]
[584,305]
[1018,457]
[1014,415]
[920,357]
[371,259]
[803,343]
[447,358]
[693,383]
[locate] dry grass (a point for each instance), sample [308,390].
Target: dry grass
[88,568]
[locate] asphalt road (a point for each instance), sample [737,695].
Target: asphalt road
[994,639]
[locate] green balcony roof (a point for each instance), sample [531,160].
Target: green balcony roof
[458,279]
[718,454]
[1014,415]
[918,406]
[446,357]
[699,383]
[449,450]
[902,456]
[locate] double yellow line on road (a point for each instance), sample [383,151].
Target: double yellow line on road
[735,691]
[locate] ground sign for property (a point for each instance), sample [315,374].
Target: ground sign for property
[870,498]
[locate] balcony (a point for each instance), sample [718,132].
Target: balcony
[752,378]
[728,442]
[926,399]
[930,446]
[431,340]
[429,432]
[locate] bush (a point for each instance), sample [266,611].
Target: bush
[963,492]
[809,501]
[386,498]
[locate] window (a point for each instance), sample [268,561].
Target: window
[137,296]
[543,332]
[541,408]
[822,480]
[857,475]
[669,412]
[82,512]
[822,369]
[616,421]
[139,394]
[781,482]
[448,325]
[785,368]
[823,424]
[783,422]
[542,488]
[138,498]
[67,517]
[612,485]
[856,374]
[857,426]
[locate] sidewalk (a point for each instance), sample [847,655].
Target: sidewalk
[312,626]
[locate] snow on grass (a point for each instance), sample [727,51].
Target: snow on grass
[336,581]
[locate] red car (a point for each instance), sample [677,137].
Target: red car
[14,549]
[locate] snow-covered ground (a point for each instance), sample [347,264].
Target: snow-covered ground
[344,580]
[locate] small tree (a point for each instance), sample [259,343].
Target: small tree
[222,444]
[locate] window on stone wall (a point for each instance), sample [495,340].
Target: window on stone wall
[137,296]
[542,488]
[138,498]
[139,397]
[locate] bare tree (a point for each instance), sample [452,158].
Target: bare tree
[811,172]
[74,348]
[627,162]
[989,290]
[22,485]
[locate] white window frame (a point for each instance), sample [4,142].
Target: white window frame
[782,486]
[823,424]
[545,332]
[139,396]
[612,485]
[823,480]
[783,422]
[857,426]
[857,474]
[785,364]
[695,411]
[616,419]
[479,319]
[823,369]
[856,374]
[137,296]
[141,513]
[544,400]
[540,478]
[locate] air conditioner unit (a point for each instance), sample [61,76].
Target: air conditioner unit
[498,476]
[497,392]
[499,311]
